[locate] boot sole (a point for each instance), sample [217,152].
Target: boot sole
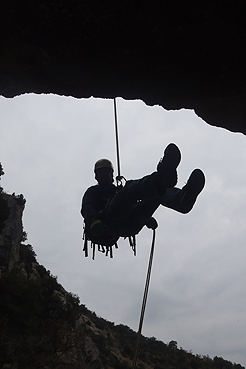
[168,165]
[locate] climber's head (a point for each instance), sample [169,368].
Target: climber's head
[104,170]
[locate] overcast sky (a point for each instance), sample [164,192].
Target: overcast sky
[48,146]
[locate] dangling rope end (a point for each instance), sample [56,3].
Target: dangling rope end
[144,299]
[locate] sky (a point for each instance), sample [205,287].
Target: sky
[48,147]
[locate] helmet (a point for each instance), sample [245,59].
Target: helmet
[103,163]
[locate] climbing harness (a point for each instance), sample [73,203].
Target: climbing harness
[108,250]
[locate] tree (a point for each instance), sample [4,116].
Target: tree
[173,345]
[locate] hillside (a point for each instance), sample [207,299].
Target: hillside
[43,326]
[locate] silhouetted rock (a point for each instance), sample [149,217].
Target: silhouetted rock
[178,54]
[11,230]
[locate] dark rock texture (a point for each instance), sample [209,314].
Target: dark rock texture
[11,230]
[44,326]
[178,54]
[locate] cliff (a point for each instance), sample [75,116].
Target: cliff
[11,230]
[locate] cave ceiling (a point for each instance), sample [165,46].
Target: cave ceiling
[177,54]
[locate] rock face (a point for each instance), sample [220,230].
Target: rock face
[178,54]
[11,230]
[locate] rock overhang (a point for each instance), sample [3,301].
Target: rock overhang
[172,53]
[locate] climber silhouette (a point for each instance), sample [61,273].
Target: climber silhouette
[111,212]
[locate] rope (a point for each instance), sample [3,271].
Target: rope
[119,177]
[144,301]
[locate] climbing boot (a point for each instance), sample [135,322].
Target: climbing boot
[188,194]
[167,167]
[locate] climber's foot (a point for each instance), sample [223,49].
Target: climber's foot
[167,166]
[189,193]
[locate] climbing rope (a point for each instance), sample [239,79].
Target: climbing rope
[144,301]
[119,181]
[119,176]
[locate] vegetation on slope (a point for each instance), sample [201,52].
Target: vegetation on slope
[35,323]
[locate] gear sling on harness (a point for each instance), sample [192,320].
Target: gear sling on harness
[108,250]
[105,249]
